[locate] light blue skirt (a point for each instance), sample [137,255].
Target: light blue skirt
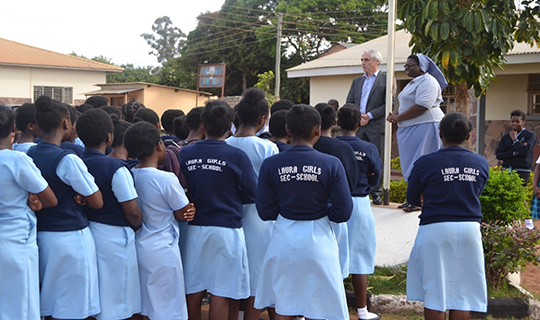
[446,267]
[257,233]
[301,273]
[362,238]
[68,273]
[19,268]
[216,260]
[342,237]
[160,273]
[119,287]
[416,141]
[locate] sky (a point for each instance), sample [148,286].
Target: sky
[110,28]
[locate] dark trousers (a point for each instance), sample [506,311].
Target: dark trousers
[378,140]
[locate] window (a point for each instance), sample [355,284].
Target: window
[117,101]
[449,99]
[533,89]
[62,94]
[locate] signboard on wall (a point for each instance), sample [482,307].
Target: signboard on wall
[211,75]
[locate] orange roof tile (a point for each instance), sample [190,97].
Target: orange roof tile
[15,53]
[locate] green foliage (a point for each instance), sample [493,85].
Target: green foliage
[504,198]
[134,74]
[166,41]
[395,164]
[507,248]
[385,280]
[266,81]
[398,191]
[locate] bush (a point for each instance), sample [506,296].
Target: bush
[507,248]
[504,199]
[395,164]
[398,191]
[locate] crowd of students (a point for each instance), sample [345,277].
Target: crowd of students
[110,219]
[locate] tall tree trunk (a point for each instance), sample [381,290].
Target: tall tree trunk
[462,104]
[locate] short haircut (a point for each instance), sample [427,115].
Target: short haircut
[333,102]
[277,124]
[97,101]
[455,127]
[168,117]
[73,113]
[518,113]
[141,139]
[147,115]
[193,118]
[49,113]
[348,116]
[84,107]
[281,105]
[252,106]
[24,115]
[120,127]
[130,108]
[328,115]
[112,110]
[217,117]
[180,127]
[301,120]
[93,126]
[374,54]
[7,120]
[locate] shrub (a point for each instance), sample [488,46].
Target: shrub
[504,198]
[398,191]
[395,164]
[507,248]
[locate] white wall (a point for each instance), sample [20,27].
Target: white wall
[19,82]
[505,95]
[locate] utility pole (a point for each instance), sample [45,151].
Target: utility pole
[389,93]
[278,57]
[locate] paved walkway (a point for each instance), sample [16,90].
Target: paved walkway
[396,231]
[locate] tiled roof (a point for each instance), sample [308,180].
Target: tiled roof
[18,54]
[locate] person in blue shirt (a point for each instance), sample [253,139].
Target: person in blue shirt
[67,253]
[220,181]
[19,276]
[25,120]
[303,190]
[277,125]
[167,122]
[446,265]
[112,226]
[118,150]
[361,226]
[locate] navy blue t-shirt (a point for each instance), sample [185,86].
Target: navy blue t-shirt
[303,184]
[451,180]
[282,146]
[344,152]
[369,165]
[220,180]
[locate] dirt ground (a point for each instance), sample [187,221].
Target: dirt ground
[530,278]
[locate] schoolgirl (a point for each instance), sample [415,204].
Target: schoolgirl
[25,120]
[361,225]
[277,125]
[73,142]
[111,226]
[162,201]
[67,253]
[19,292]
[220,179]
[252,112]
[446,266]
[118,150]
[303,190]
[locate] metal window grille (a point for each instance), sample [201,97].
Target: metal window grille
[63,94]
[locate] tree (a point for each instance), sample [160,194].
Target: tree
[467,38]
[147,74]
[167,40]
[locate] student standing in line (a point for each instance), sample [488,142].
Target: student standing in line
[252,112]
[25,119]
[162,201]
[277,126]
[220,180]
[19,292]
[118,150]
[111,226]
[303,190]
[345,154]
[446,267]
[67,252]
[361,225]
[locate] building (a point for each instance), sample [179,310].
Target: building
[27,72]
[154,96]
[517,87]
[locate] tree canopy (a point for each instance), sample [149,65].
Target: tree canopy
[166,41]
